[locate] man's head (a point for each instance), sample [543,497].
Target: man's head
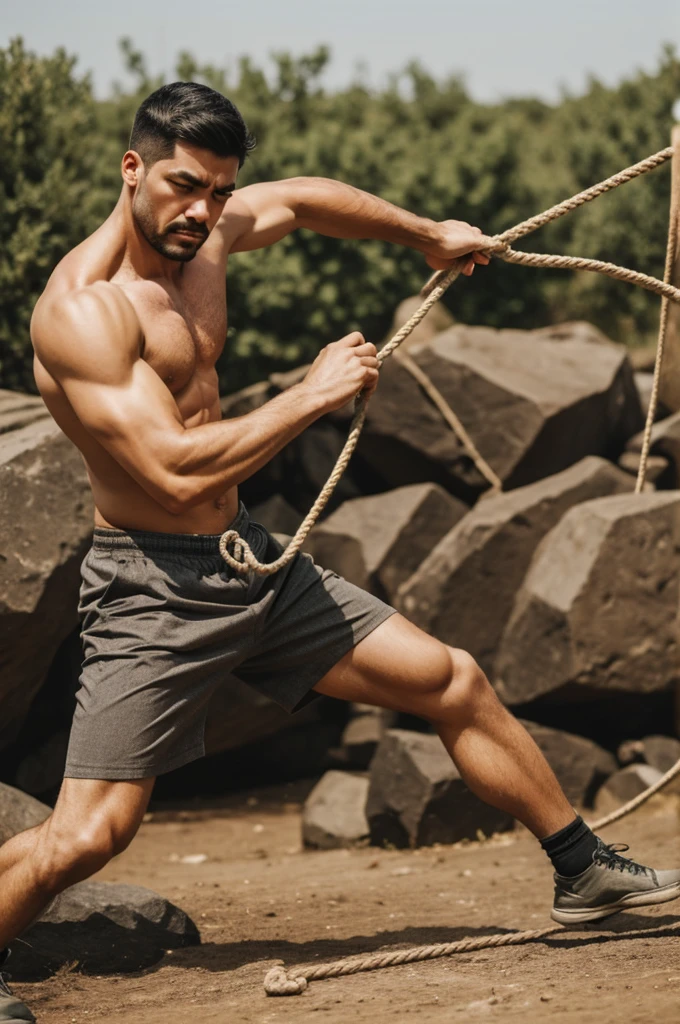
[187,145]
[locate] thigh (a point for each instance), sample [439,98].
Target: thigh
[397,666]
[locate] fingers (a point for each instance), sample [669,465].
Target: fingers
[352,340]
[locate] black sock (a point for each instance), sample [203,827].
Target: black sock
[571,849]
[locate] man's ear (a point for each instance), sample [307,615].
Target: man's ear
[132,168]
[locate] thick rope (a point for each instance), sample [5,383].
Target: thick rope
[242,560]
[279,982]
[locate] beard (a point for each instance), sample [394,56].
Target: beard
[180,249]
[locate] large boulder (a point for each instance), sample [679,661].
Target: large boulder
[334,812]
[46,517]
[378,541]
[598,608]
[625,785]
[532,404]
[463,592]
[580,765]
[416,796]
[104,928]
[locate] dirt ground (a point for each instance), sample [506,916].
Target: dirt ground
[259,899]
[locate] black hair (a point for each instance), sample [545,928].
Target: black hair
[193,113]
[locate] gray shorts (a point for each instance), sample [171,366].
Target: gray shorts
[165,621]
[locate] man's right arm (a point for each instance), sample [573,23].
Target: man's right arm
[91,347]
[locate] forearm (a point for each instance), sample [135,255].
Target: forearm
[342,211]
[217,456]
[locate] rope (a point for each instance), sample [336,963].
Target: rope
[242,560]
[279,982]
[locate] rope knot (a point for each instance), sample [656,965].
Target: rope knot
[239,559]
[278,983]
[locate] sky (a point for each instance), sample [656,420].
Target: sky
[501,47]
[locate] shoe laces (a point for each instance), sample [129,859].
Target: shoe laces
[609,857]
[4,975]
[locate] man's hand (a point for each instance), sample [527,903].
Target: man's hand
[457,238]
[342,369]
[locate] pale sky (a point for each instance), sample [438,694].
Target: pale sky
[502,47]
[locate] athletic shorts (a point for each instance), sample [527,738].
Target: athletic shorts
[165,622]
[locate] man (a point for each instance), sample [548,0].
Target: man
[126,336]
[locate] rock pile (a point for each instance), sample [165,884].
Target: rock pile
[564,587]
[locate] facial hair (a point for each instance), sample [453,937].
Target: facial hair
[181,250]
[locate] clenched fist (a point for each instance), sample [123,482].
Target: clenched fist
[343,369]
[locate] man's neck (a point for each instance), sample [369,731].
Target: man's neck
[140,258]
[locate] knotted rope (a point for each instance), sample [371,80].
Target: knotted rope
[243,560]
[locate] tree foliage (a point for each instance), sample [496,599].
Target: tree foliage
[421,143]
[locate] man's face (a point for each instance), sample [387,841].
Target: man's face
[178,201]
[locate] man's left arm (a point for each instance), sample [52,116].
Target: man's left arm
[259,215]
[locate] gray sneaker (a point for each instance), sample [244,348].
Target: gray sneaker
[610,884]
[12,1011]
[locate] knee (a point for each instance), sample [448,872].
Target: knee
[468,687]
[66,856]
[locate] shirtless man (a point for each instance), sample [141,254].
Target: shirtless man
[126,336]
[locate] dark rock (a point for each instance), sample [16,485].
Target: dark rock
[464,590]
[665,441]
[363,733]
[580,765]
[598,606]
[625,785]
[18,811]
[417,797]
[532,405]
[46,525]
[378,541]
[105,929]
[333,815]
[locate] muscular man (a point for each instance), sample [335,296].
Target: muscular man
[126,336]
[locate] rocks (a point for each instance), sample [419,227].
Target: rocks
[463,592]
[436,320]
[416,796]
[625,785]
[377,542]
[665,441]
[532,405]
[18,811]
[18,410]
[105,929]
[363,733]
[659,752]
[276,515]
[598,606]
[580,765]
[333,814]
[656,469]
[46,526]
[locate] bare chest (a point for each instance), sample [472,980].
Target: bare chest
[184,334]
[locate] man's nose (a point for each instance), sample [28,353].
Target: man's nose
[198,211]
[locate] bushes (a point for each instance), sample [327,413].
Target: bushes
[420,143]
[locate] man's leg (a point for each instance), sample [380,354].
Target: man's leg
[400,667]
[91,822]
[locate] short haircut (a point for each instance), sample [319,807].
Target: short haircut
[193,113]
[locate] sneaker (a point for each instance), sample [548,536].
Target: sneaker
[610,884]
[11,1010]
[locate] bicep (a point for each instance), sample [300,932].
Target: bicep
[259,215]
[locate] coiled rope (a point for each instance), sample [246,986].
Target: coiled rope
[278,981]
[243,560]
